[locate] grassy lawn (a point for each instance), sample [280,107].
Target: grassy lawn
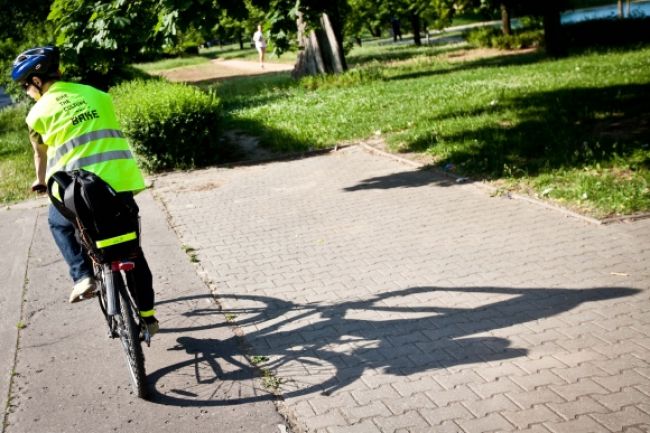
[574,130]
[16,163]
[227,52]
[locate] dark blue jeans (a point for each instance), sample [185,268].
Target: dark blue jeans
[63,232]
[80,265]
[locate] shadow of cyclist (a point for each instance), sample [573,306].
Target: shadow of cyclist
[437,333]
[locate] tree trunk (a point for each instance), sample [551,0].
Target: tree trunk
[506,26]
[333,55]
[620,8]
[415,28]
[319,52]
[553,37]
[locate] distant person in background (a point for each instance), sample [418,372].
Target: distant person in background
[260,44]
[397,31]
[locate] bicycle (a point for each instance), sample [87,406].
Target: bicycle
[121,314]
[112,262]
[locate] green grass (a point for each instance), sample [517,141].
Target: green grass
[16,160]
[575,130]
[228,52]
[578,125]
[233,52]
[167,64]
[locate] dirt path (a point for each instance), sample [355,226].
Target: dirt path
[218,69]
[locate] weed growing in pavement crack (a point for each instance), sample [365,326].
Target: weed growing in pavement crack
[191,252]
[258,359]
[269,380]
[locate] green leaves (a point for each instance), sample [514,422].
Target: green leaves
[169,125]
[98,38]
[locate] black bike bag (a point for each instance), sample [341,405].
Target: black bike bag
[108,226]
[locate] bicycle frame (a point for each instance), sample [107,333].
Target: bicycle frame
[110,277]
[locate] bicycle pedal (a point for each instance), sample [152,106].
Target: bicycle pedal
[146,337]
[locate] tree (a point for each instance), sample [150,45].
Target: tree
[320,49]
[16,14]
[434,13]
[549,10]
[98,38]
[506,25]
[621,14]
[366,14]
[554,38]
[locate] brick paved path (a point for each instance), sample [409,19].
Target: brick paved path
[386,299]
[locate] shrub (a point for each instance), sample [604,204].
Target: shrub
[350,78]
[493,37]
[170,126]
[482,37]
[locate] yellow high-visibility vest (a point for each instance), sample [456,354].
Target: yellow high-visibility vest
[79,126]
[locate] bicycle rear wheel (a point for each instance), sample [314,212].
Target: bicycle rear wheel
[129,333]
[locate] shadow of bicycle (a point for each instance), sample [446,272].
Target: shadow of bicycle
[319,348]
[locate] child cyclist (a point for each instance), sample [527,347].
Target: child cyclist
[71,127]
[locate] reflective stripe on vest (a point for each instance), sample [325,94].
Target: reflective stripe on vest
[111,155]
[81,140]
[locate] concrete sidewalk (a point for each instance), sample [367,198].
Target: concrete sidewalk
[373,296]
[385,299]
[69,377]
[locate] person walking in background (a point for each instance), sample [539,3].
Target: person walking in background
[260,44]
[397,31]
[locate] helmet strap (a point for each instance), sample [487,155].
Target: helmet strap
[39,88]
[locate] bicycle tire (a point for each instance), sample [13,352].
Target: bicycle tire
[129,334]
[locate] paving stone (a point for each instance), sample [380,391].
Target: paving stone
[536,365]
[535,415]
[451,412]
[362,427]
[407,388]
[528,399]
[582,424]
[626,379]
[493,422]
[499,386]
[412,293]
[627,417]
[445,427]
[574,374]
[460,393]
[483,407]
[626,397]
[582,406]
[324,405]
[384,392]
[582,387]
[354,413]
[400,405]
[543,378]
[408,420]
[450,381]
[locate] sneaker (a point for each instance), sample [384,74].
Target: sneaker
[151,323]
[83,289]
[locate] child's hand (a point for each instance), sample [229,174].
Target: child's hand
[39,188]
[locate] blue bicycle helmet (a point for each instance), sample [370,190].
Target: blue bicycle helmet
[40,61]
